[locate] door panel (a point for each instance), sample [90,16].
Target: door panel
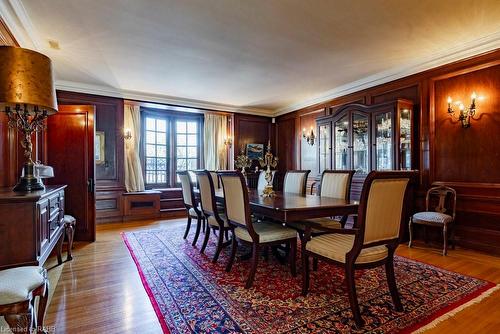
[70,151]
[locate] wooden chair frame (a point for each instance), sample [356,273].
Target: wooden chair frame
[20,316]
[350,265]
[256,244]
[214,212]
[442,192]
[304,185]
[199,216]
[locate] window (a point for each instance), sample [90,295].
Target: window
[171,143]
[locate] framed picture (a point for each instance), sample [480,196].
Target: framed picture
[99,145]
[255,151]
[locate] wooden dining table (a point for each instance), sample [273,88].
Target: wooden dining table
[289,207]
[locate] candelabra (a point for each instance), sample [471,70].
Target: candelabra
[268,161]
[242,161]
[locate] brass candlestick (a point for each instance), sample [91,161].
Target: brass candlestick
[242,161]
[268,161]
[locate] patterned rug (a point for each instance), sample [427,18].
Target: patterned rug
[192,295]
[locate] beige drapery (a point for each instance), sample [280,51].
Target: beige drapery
[214,148]
[134,180]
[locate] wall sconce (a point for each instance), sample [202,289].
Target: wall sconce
[228,142]
[464,114]
[309,137]
[127,134]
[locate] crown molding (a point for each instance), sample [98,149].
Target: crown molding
[157,98]
[463,51]
[16,18]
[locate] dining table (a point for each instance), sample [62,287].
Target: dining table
[290,207]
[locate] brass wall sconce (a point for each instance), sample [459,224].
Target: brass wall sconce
[228,142]
[127,134]
[464,114]
[310,138]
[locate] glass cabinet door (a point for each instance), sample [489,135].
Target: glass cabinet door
[383,141]
[341,143]
[405,139]
[360,159]
[324,142]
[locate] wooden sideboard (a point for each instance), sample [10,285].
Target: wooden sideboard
[31,225]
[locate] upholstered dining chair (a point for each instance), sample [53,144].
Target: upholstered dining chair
[192,207]
[334,183]
[215,179]
[443,215]
[296,182]
[215,219]
[258,235]
[373,242]
[19,288]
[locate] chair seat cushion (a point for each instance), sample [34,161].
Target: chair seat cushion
[325,222]
[69,219]
[193,213]
[268,232]
[212,221]
[336,246]
[433,217]
[17,283]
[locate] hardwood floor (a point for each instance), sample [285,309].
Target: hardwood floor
[100,290]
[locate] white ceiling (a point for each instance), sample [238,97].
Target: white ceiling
[268,56]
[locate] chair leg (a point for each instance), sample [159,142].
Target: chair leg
[410,232]
[219,245]
[20,323]
[205,240]
[70,234]
[445,240]
[188,226]
[255,262]
[305,272]
[234,246]
[292,257]
[353,298]
[315,264]
[226,234]
[42,305]
[59,248]
[391,282]
[198,228]
[452,237]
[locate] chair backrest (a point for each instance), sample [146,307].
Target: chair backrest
[215,179]
[296,181]
[336,183]
[207,192]
[261,182]
[446,199]
[381,210]
[236,199]
[187,189]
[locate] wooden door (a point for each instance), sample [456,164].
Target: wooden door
[70,151]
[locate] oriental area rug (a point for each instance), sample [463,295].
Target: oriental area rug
[190,294]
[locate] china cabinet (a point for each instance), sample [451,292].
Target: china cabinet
[365,138]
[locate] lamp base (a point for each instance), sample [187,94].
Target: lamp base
[29,184]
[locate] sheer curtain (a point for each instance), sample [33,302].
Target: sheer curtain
[214,148]
[134,180]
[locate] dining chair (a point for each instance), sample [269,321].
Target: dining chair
[373,242]
[216,220]
[296,182]
[443,215]
[258,235]
[334,183]
[192,207]
[215,179]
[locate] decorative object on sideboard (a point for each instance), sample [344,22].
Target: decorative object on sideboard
[310,138]
[268,161]
[41,171]
[242,161]
[464,113]
[28,96]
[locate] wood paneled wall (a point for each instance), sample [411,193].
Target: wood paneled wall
[466,159]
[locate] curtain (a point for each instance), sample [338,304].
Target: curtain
[134,180]
[214,148]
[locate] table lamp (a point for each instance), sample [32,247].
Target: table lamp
[28,96]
